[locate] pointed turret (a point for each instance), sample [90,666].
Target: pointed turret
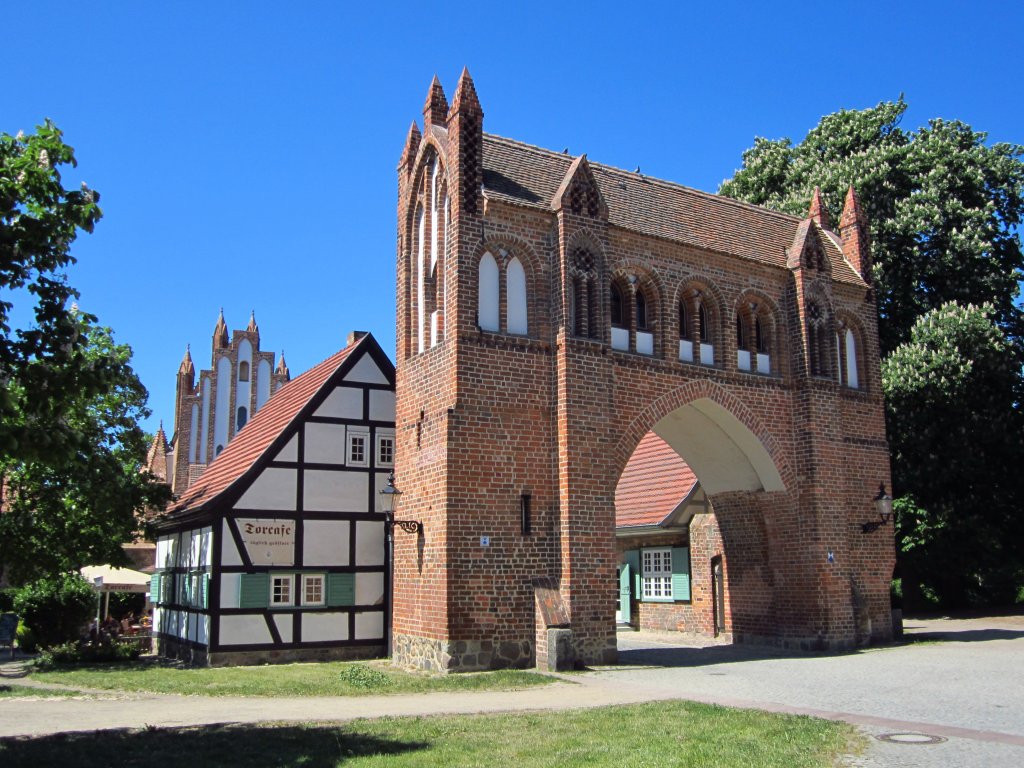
[252,327]
[465,95]
[412,146]
[156,457]
[282,368]
[465,142]
[187,368]
[220,333]
[435,110]
[853,229]
[818,212]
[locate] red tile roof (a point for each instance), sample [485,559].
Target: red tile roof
[259,434]
[655,480]
[522,174]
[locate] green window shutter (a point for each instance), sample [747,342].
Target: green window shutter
[632,558]
[154,588]
[204,587]
[680,573]
[341,589]
[254,591]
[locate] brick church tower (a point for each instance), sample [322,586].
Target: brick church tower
[552,311]
[207,414]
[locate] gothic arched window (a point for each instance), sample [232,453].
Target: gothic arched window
[488,308]
[515,298]
[243,371]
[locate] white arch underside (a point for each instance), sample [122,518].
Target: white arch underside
[723,453]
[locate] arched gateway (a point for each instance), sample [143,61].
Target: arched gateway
[551,312]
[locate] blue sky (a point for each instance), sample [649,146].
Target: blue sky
[246,151]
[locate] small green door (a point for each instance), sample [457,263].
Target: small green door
[623,614]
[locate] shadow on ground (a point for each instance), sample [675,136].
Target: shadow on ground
[963,635]
[253,746]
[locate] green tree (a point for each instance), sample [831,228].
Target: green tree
[943,207]
[70,446]
[953,395]
[39,220]
[77,511]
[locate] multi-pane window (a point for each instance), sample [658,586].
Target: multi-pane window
[357,448]
[281,590]
[313,589]
[657,574]
[385,451]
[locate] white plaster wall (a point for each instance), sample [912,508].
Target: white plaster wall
[263,376]
[365,371]
[382,405]
[273,489]
[325,491]
[370,542]
[242,388]
[193,435]
[230,584]
[326,542]
[193,627]
[222,405]
[317,627]
[369,588]
[240,630]
[204,630]
[370,626]
[205,437]
[420,276]
[290,452]
[229,554]
[325,443]
[284,626]
[343,403]
[163,546]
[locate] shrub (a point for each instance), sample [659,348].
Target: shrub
[26,638]
[55,608]
[74,652]
[364,677]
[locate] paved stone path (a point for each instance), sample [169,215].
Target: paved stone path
[966,688]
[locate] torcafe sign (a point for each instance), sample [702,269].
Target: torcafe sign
[268,542]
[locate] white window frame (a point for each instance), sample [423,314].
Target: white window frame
[381,440]
[656,573]
[288,599]
[306,580]
[353,435]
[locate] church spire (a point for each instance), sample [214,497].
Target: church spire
[818,210]
[253,328]
[220,332]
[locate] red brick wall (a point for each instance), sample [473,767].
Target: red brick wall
[486,417]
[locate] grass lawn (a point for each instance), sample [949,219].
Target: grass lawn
[326,679]
[10,691]
[657,734]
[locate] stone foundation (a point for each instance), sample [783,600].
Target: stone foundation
[201,656]
[433,655]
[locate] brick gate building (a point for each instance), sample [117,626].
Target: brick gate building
[552,311]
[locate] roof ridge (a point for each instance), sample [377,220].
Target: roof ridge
[651,179]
